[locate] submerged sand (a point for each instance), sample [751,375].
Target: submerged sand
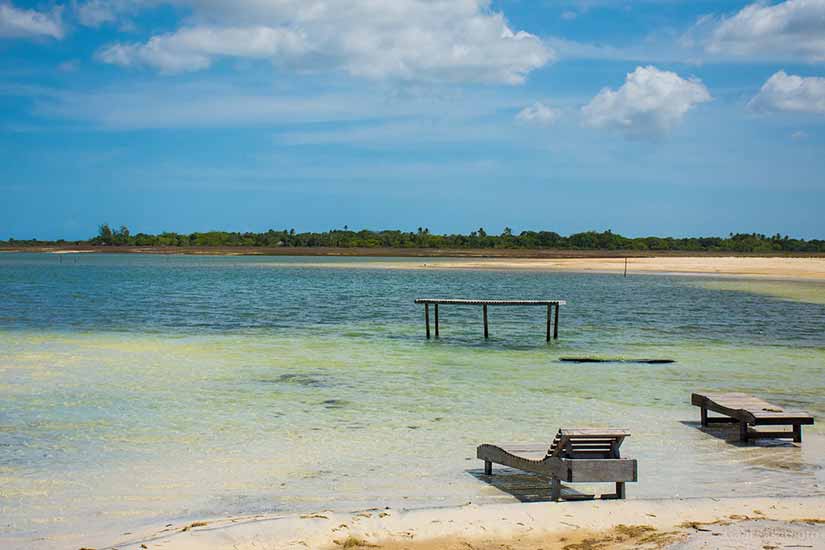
[775,268]
[680,523]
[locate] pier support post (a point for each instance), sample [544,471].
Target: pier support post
[486,332]
[556,324]
[436,320]
[427,319]
[549,312]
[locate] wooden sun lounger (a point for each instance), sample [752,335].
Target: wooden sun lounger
[747,410]
[585,455]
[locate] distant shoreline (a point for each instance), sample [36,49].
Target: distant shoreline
[543,253]
[808,267]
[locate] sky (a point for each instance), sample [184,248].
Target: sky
[646,117]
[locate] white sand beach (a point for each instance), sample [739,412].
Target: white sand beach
[683,523]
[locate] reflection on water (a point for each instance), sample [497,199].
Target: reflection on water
[145,389]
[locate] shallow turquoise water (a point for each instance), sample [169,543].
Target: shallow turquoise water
[140,389]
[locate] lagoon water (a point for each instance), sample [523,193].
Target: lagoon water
[140,390]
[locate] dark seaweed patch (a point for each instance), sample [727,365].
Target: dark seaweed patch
[335,403]
[306,380]
[615,360]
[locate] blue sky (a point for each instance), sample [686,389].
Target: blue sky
[662,117]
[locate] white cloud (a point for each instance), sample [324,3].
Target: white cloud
[790,29]
[799,135]
[433,40]
[538,114]
[216,103]
[651,102]
[19,23]
[93,13]
[791,93]
[192,49]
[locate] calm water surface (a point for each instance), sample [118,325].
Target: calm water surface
[139,390]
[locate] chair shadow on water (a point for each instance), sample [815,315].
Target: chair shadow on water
[776,455]
[730,434]
[522,486]
[527,487]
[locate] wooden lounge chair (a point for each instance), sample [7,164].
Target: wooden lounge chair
[585,455]
[747,410]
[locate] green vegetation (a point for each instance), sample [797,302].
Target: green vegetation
[345,238]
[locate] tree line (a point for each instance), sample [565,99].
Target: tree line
[423,238]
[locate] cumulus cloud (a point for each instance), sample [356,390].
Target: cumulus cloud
[192,49]
[790,93]
[650,103]
[434,40]
[93,13]
[538,114]
[792,29]
[21,23]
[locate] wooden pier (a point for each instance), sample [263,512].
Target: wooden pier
[551,305]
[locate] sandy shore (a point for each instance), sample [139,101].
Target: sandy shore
[810,269]
[795,268]
[685,523]
[801,268]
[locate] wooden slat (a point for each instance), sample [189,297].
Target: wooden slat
[524,448]
[608,469]
[782,420]
[489,302]
[755,434]
[595,432]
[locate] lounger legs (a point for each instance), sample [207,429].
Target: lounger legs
[555,489]
[619,494]
[488,468]
[746,435]
[704,417]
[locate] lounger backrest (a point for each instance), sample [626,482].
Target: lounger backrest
[588,443]
[740,406]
